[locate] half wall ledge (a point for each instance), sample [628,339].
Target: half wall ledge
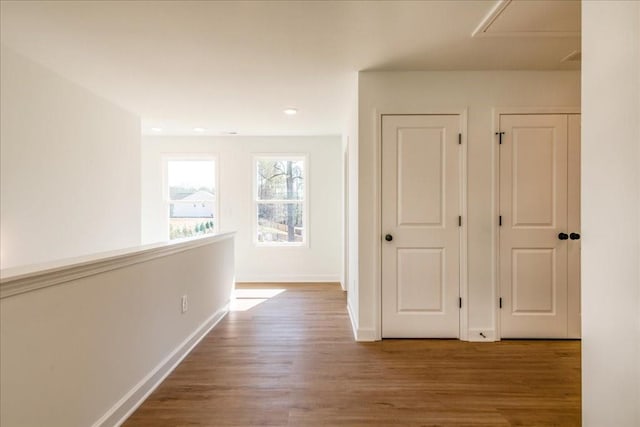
[19,280]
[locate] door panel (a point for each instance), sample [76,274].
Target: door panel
[424,266]
[420,208]
[533,281]
[415,145]
[533,177]
[533,206]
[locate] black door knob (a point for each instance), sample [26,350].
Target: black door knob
[388,237]
[563,236]
[574,236]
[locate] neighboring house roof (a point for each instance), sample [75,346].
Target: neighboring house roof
[199,195]
[202,206]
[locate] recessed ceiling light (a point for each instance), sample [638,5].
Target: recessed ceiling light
[229,133]
[156,129]
[291,111]
[198,129]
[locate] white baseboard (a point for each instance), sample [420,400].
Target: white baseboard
[361,334]
[476,335]
[354,321]
[134,398]
[288,278]
[366,335]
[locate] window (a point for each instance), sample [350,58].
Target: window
[191,197]
[280,201]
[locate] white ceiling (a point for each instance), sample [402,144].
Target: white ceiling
[541,18]
[234,66]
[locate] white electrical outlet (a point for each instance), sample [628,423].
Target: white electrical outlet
[185,303]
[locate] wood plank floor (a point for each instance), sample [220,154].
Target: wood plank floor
[292,361]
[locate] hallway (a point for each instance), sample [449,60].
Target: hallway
[291,360]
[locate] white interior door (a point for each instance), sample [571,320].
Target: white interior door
[573,221]
[535,191]
[420,214]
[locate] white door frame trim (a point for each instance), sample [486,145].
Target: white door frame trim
[495,158]
[377,213]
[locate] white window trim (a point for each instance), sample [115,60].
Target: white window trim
[166,158]
[305,202]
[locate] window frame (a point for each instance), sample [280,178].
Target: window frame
[304,157]
[166,195]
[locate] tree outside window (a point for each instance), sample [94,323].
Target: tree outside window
[280,201]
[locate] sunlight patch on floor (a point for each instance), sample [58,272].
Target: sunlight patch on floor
[246,299]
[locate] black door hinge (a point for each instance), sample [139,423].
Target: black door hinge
[459,302]
[500,302]
[460,221]
[500,220]
[500,137]
[459,138]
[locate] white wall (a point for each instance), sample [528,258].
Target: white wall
[611,213]
[86,351]
[70,171]
[321,261]
[432,92]
[350,137]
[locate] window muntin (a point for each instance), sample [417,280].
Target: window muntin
[191,197]
[280,201]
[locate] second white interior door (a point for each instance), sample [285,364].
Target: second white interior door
[539,232]
[421,202]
